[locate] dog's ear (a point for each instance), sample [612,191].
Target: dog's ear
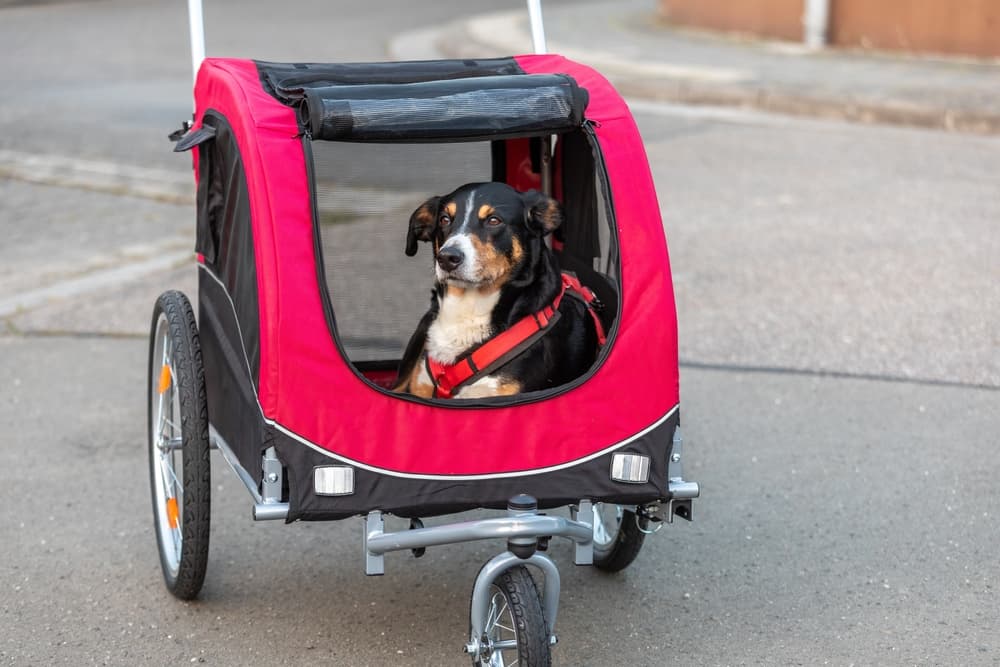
[543,213]
[423,223]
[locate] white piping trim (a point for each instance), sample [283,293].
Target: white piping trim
[393,473]
[499,475]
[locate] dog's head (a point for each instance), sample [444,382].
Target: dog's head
[482,233]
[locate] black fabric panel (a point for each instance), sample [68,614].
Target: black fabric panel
[498,158]
[224,232]
[288,81]
[455,110]
[424,498]
[210,202]
[232,402]
[579,198]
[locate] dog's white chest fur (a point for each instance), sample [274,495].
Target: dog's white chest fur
[463,320]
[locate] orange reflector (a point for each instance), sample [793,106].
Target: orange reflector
[164,378]
[172,513]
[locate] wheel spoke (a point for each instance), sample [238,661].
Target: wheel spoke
[496,621]
[504,627]
[171,481]
[161,413]
[174,428]
[490,620]
[601,535]
[173,489]
[503,637]
[165,361]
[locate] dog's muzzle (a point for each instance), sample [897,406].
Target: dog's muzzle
[450,259]
[457,260]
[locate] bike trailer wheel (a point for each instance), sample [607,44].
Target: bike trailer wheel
[618,536]
[179,465]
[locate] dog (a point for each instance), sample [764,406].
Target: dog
[497,284]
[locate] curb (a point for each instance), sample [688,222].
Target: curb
[503,33]
[797,104]
[173,187]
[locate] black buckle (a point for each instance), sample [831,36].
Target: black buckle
[185,127]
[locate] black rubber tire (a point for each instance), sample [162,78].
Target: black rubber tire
[521,594]
[624,548]
[189,380]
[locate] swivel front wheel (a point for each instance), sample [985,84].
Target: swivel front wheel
[516,632]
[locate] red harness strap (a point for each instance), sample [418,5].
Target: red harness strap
[507,344]
[581,291]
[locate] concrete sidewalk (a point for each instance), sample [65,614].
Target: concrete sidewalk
[646,58]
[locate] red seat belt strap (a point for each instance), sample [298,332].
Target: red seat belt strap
[585,294]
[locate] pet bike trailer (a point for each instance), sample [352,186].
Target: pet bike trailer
[306,175]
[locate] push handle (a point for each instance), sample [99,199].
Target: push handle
[197,27]
[537,27]
[538,42]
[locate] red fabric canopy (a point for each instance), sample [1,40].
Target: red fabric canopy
[308,390]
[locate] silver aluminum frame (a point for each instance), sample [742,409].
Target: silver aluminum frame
[269,506]
[518,528]
[682,492]
[377,542]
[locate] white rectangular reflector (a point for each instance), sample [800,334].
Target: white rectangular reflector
[333,480]
[632,468]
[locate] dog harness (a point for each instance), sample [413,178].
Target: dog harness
[511,342]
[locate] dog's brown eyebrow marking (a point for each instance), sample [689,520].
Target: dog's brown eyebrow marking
[485,211]
[451,208]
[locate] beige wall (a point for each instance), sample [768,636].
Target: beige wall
[777,19]
[934,26]
[958,27]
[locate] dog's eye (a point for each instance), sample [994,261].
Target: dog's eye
[493,221]
[444,220]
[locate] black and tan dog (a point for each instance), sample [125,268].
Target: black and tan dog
[498,324]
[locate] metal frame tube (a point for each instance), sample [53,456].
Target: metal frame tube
[378,543]
[537,27]
[196,24]
[263,509]
[546,175]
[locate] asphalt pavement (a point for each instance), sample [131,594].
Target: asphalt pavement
[839,330]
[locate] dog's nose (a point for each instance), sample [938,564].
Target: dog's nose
[449,258]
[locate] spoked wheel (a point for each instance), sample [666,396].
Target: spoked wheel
[618,536]
[179,466]
[515,631]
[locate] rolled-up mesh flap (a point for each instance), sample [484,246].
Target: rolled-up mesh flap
[289,81]
[460,109]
